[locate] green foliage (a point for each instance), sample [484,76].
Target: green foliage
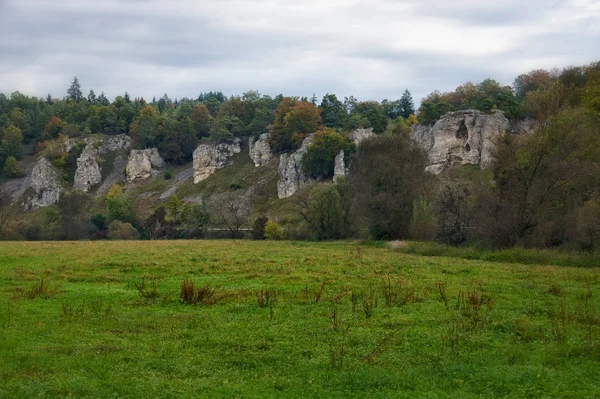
[333,111]
[423,223]
[118,230]
[74,91]
[258,228]
[372,112]
[292,122]
[118,205]
[13,168]
[273,231]
[197,219]
[319,159]
[12,143]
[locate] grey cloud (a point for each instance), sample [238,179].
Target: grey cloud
[371,49]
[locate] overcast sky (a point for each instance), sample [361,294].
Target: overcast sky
[372,49]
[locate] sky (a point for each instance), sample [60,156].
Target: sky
[372,49]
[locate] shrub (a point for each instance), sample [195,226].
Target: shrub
[273,231]
[258,229]
[118,230]
[423,224]
[319,159]
[13,168]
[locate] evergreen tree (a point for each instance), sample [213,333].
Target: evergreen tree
[407,104]
[49,99]
[91,97]
[126,97]
[102,100]
[74,92]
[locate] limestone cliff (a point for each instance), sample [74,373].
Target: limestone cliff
[291,177]
[143,163]
[208,158]
[260,150]
[46,183]
[463,137]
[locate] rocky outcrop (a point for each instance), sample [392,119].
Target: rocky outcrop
[143,163]
[46,183]
[359,135]
[260,150]
[208,158]
[462,137]
[339,168]
[291,177]
[88,172]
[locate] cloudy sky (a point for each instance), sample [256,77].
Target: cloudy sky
[372,49]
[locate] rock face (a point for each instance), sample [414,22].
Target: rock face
[291,178]
[46,183]
[360,135]
[460,138]
[260,150]
[208,158]
[339,169]
[88,172]
[142,163]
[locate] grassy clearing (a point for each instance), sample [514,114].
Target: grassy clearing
[268,319]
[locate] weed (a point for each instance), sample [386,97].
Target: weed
[559,319]
[320,292]
[148,291]
[337,353]
[42,290]
[379,348]
[555,289]
[441,286]
[475,306]
[265,297]
[369,302]
[191,295]
[390,291]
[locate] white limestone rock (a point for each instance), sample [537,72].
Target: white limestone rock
[208,158]
[143,163]
[260,150]
[291,177]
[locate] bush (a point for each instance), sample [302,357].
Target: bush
[319,159]
[13,168]
[273,231]
[258,229]
[423,224]
[118,230]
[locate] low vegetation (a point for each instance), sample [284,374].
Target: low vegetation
[238,318]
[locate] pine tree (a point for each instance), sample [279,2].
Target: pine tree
[49,99]
[74,93]
[127,98]
[102,100]
[91,97]
[407,104]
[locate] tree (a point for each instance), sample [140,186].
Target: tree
[74,92]
[319,159]
[73,207]
[91,97]
[157,225]
[333,111]
[102,100]
[118,206]
[104,120]
[13,168]
[231,211]
[272,231]
[145,128]
[407,104]
[387,176]
[258,228]
[118,230]
[326,210]
[373,112]
[202,120]
[197,218]
[12,143]
[53,128]
[292,122]
[453,211]
[423,224]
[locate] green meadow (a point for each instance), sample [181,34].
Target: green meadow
[248,319]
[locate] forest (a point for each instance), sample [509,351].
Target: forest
[542,189]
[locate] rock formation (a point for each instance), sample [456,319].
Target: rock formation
[142,163]
[339,169]
[463,137]
[208,158]
[88,172]
[260,150]
[360,135]
[46,183]
[291,177]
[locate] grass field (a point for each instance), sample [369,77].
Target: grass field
[280,319]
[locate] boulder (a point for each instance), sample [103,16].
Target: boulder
[208,158]
[463,137]
[143,163]
[260,150]
[291,177]
[46,183]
